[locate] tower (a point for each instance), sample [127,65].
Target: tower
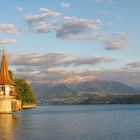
[8,95]
[7,85]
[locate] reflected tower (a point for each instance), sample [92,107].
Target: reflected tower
[8,124]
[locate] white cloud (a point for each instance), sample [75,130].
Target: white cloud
[56,59]
[44,27]
[65,5]
[50,12]
[89,23]
[56,68]
[64,76]
[44,13]
[110,23]
[114,44]
[116,41]
[6,41]
[20,9]
[9,29]
[112,41]
[121,35]
[43,22]
[106,1]
[55,75]
[72,28]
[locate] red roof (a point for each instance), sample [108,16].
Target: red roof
[4,73]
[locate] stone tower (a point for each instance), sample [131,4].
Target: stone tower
[8,94]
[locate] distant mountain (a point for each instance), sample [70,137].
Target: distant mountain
[104,87]
[54,91]
[91,91]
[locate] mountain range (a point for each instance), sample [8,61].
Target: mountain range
[95,91]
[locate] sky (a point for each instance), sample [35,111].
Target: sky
[63,41]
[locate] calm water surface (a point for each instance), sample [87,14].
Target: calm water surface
[81,122]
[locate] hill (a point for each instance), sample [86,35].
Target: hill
[96,91]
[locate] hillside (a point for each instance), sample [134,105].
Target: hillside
[86,92]
[104,87]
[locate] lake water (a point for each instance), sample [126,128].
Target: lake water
[76,122]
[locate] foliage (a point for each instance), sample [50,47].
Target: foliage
[25,91]
[11,74]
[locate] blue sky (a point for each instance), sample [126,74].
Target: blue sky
[91,34]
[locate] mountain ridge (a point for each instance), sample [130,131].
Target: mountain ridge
[84,90]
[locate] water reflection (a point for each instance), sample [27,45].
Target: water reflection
[85,122]
[8,123]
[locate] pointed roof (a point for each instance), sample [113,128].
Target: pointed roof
[4,73]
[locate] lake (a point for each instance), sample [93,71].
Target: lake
[73,122]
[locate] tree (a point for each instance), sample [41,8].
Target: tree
[11,74]
[25,91]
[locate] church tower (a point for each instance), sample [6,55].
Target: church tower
[7,85]
[8,95]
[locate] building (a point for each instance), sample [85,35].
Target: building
[8,95]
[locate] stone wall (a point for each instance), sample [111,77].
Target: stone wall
[8,104]
[5,105]
[16,105]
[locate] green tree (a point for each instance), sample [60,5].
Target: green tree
[25,91]
[11,74]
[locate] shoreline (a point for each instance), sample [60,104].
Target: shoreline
[29,106]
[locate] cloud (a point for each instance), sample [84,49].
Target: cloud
[73,27]
[133,65]
[121,35]
[58,68]
[118,41]
[82,29]
[55,75]
[20,9]
[75,78]
[110,23]
[114,44]
[106,1]
[56,59]
[89,23]
[122,75]
[113,41]
[58,75]
[44,27]
[41,16]
[6,41]
[65,5]
[54,68]
[9,29]
[43,22]
[70,28]
[49,12]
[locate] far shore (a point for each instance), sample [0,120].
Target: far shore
[28,106]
